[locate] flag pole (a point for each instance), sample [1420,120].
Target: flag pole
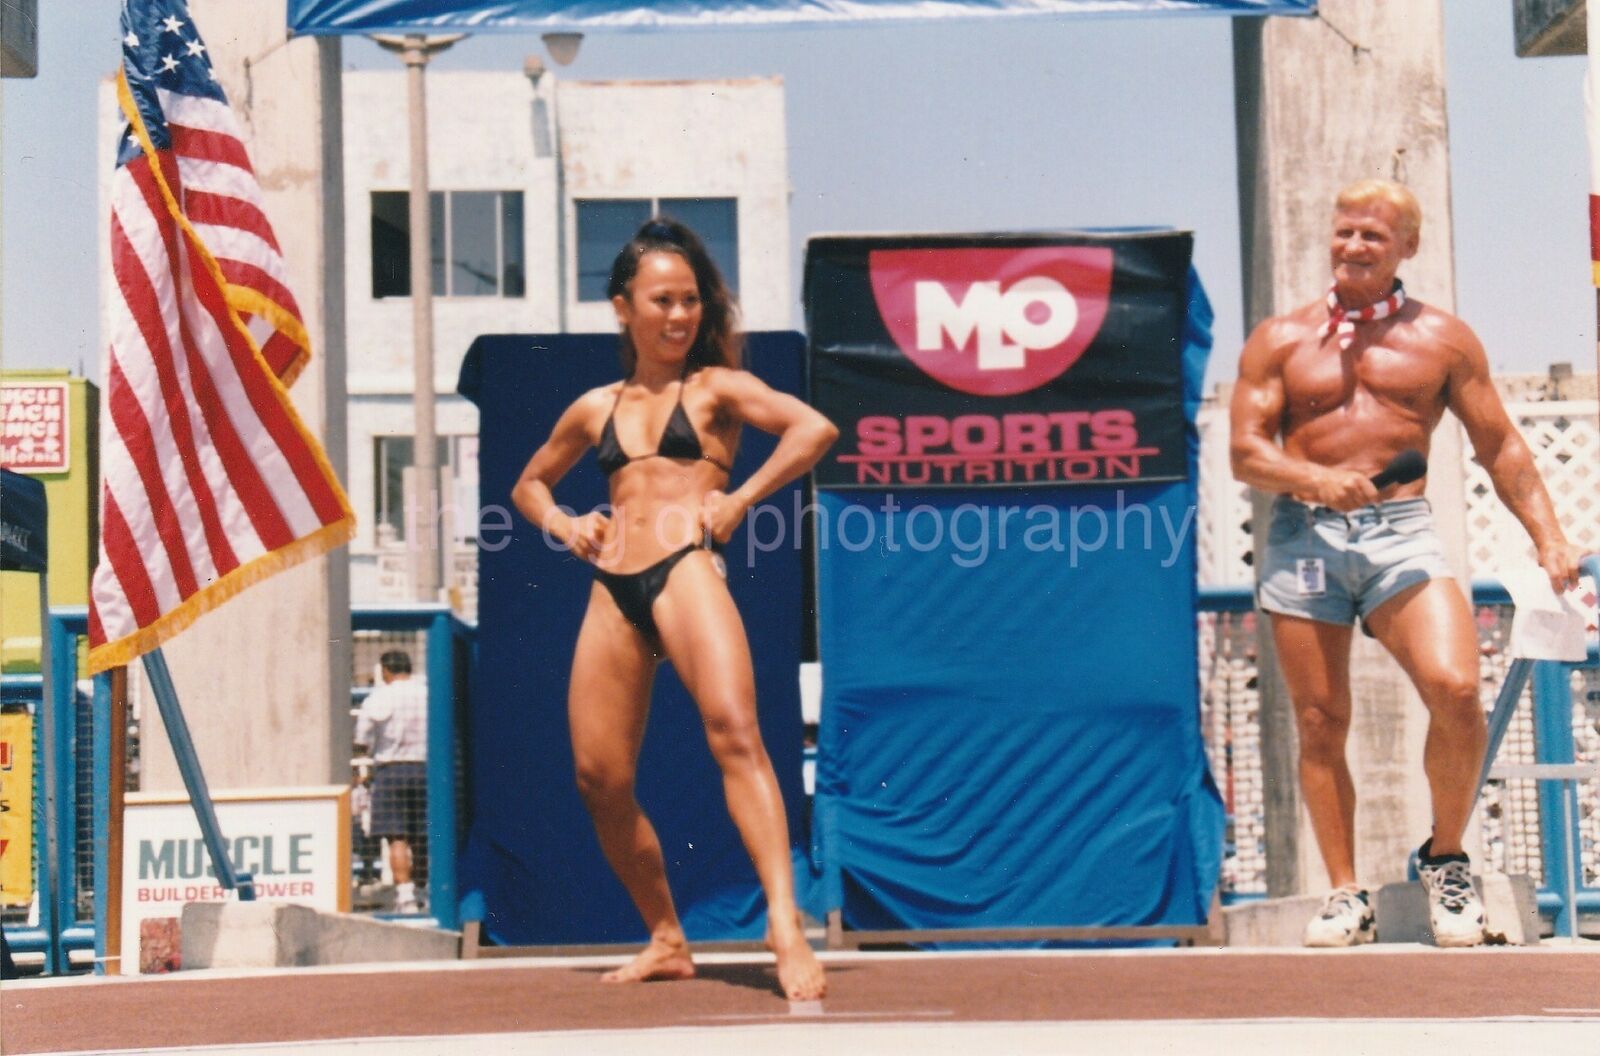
[194,779]
[422,521]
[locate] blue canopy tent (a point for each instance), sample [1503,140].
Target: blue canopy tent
[337,17]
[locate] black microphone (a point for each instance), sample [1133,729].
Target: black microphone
[1403,468]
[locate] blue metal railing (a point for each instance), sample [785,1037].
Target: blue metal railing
[60,932]
[58,916]
[444,630]
[1227,599]
[1559,822]
[1553,743]
[102,814]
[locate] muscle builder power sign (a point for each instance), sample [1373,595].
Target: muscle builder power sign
[973,361]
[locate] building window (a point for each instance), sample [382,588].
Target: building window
[457,458]
[475,239]
[605,225]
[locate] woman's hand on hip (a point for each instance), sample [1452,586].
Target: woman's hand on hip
[591,533]
[721,514]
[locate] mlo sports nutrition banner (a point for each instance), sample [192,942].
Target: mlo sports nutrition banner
[1010,729]
[971,361]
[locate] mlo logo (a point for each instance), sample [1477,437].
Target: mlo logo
[993,322]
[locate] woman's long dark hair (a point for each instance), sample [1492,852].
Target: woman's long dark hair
[718,342]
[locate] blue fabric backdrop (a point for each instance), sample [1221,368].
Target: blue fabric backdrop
[531,853]
[1015,740]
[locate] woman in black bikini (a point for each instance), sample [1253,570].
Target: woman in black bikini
[665,436]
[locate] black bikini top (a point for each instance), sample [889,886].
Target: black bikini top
[678,440]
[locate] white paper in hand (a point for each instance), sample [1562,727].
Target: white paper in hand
[1546,626]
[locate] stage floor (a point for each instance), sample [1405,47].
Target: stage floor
[1544,999]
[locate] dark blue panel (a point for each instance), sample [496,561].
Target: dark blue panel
[24,535]
[531,850]
[522,16]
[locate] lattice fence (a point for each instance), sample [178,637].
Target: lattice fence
[1565,438]
[1230,709]
[1223,519]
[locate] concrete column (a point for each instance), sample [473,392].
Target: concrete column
[1357,92]
[265,679]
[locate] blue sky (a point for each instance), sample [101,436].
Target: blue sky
[971,126]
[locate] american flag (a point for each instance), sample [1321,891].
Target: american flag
[210,480]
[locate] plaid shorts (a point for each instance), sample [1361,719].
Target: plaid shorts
[400,800]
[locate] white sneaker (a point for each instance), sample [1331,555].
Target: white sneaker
[1454,909]
[1346,919]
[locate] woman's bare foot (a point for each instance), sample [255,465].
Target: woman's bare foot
[799,971]
[662,959]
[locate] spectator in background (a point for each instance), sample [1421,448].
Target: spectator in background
[393,727]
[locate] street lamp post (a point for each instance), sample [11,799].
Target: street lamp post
[422,513]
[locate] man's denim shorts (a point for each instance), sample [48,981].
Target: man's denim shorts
[1335,567]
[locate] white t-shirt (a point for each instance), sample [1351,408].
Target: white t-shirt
[393,722]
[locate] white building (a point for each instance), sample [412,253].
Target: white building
[535,186]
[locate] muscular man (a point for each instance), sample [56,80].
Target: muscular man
[1348,381]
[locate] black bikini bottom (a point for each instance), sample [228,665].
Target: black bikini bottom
[636,592]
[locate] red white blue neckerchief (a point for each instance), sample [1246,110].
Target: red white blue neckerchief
[1342,320]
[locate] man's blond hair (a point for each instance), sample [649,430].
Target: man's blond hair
[1365,192]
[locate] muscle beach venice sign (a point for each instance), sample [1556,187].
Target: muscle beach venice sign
[968,361]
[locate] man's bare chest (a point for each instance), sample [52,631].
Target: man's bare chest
[1408,375]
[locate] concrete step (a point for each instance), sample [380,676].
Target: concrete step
[1269,921]
[1510,912]
[277,935]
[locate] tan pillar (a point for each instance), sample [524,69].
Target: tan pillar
[1356,93]
[265,679]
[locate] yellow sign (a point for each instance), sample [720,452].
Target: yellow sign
[16,809]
